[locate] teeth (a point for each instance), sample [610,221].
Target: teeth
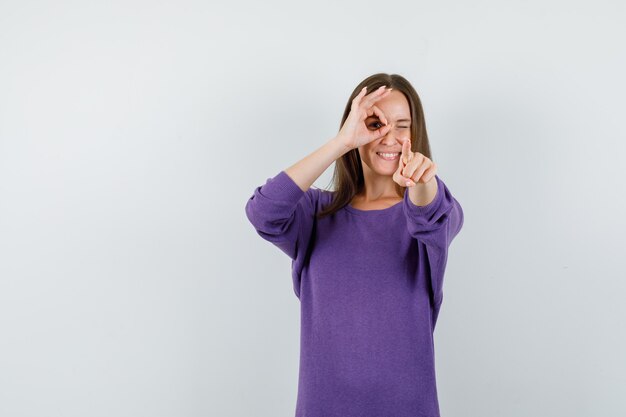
[388,155]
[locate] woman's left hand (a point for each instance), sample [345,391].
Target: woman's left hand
[413,167]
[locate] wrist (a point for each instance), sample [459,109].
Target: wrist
[339,146]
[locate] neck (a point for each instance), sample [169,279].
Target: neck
[378,187]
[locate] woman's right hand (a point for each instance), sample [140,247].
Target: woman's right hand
[354,131]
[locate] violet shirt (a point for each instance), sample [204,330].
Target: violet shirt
[370,289]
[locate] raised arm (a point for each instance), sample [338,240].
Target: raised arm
[308,169]
[277,209]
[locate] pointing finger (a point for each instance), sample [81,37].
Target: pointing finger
[406,148]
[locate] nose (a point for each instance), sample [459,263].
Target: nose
[389,138]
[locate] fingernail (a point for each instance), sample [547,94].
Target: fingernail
[408,183]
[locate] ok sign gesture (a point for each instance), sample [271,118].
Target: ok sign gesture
[413,167]
[355,131]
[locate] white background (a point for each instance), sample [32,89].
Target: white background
[132,134]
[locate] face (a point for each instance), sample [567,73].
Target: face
[395,107]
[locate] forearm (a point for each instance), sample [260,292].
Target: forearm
[308,169]
[422,194]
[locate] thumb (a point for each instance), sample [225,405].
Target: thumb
[399,178]
[379,133]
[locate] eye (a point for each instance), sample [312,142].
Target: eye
[381,125]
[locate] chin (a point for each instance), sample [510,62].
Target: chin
[385,171]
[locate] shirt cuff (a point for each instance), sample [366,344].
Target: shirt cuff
[415,211]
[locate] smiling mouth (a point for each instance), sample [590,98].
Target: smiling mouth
[388,156]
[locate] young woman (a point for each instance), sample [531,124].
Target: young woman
[368,258]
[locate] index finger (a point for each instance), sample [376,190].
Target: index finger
[406,148]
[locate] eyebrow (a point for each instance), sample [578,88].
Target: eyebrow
[399,120]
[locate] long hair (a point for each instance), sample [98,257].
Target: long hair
[348,179]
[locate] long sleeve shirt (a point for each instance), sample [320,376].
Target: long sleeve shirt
[370,286]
